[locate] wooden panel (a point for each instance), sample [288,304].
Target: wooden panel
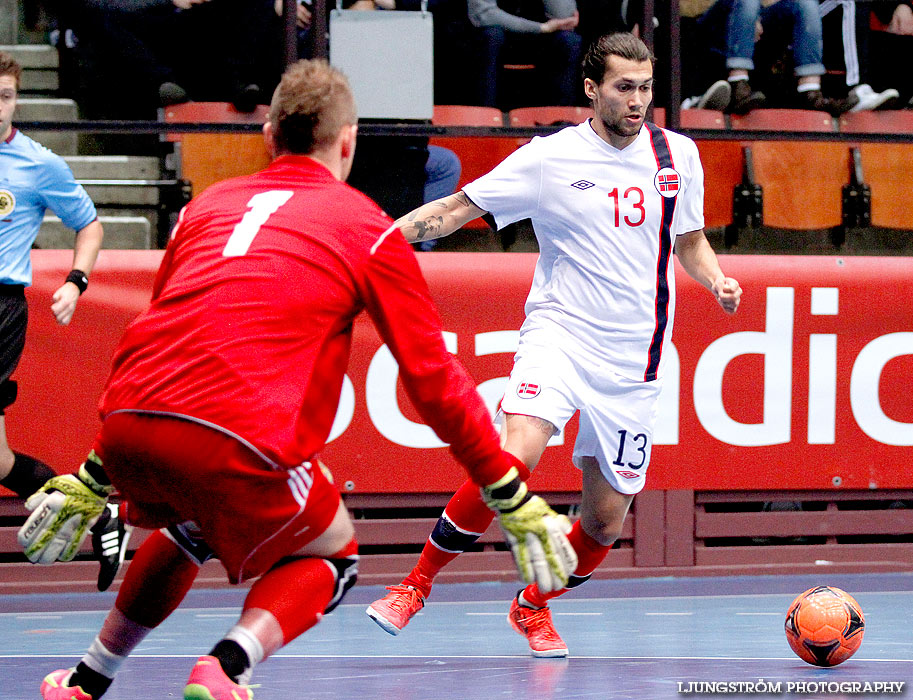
[884,167]
[783,120]
[649,548]
[808,523]
[208,158]
[802,182]
[679,528]
[900,554]
[723,164]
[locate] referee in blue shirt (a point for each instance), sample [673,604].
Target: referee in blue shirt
[33,179]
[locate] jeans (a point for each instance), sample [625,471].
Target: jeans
[442,173]
[556,55]
[733,22]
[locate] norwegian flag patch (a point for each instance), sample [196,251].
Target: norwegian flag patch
[667,182]
[528,390]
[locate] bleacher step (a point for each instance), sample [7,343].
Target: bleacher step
[9,21]
[114,167]
[51,109]
[121,232]
[40,64]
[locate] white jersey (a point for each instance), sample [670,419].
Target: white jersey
[605,220]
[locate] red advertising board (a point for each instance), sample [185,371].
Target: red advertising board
[809,386]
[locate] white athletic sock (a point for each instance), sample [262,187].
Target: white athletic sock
[245,639]
[102,661]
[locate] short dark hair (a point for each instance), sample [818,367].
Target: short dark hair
[312,103]
[621,44]
[10,66]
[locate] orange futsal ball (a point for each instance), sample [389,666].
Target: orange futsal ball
[824,626]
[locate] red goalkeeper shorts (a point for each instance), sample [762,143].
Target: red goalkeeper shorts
[170,470]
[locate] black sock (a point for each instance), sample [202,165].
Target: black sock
[232,657]
[92,682]
[27,475]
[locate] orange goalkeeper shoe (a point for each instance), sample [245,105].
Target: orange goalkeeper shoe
[208,682]
[536,625]
[54,687]
[394,610]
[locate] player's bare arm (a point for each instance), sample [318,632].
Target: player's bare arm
[438,218]
[85,253]
[697,257]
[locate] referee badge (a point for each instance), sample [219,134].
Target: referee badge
[667,182]
[7,203]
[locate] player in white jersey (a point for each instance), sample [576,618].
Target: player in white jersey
[609,200]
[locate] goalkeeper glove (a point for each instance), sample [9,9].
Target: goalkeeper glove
[537,535]
[63,511]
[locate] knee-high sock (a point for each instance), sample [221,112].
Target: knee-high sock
[158,578]
[464,520]
[295,593]
[589,555]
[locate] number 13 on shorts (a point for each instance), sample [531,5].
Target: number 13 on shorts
[633,454]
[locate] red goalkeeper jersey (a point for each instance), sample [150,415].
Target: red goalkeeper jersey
[250,324]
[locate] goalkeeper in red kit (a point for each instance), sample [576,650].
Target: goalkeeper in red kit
[217,405]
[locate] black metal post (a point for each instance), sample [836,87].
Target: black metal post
[320,34]
[290,33]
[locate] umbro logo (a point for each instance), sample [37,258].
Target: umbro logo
[582,185]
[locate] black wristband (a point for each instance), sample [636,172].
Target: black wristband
[79,278]
[27,475]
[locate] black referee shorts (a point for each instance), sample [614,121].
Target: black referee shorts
[13,321]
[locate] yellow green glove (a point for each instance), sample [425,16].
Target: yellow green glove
[63,511]
[536,534]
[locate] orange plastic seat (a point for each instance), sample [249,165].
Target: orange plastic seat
[783,120]
[207,158]
[891,121]
[702,119]
[545,116]
[477,154]
[885,165]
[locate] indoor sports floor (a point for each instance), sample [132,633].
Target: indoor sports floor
[631,638]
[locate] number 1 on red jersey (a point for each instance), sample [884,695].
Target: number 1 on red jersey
[260,207]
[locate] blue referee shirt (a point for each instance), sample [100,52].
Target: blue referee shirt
[33,179]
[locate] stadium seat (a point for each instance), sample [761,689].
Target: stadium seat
[692,118]
[723,165]
[207,158]
[802,181]
[884,165]
[892,121]
[702,119]
[545,116]
[783,120]
[478,154]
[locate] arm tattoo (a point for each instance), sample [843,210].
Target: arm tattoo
[428,226]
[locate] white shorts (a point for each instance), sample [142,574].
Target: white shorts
[617,414]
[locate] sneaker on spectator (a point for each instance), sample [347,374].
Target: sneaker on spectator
[208,682]
[394,610]
[172,94]
[835,106]
[536,625]
[743,98]
[871,100]
[715,97]
[54,687]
